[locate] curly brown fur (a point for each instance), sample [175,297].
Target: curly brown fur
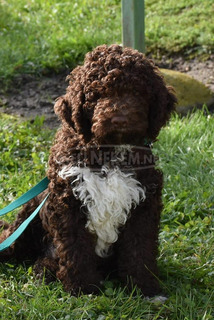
[117,98]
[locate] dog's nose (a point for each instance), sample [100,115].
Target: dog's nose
[119,121]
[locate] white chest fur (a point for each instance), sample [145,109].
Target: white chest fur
[108,196]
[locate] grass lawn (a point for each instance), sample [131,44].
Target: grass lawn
[186,261]
[38,36]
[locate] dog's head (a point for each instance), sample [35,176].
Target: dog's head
[117,96]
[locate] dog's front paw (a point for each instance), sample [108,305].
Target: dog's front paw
[77,289]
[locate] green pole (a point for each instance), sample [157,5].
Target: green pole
[133,25]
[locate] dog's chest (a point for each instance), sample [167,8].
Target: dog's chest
[108,195]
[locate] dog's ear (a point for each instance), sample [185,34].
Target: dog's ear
[162,103]
[77,119]
[82,121]
[63,110]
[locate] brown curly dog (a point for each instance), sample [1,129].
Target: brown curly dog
[102,215]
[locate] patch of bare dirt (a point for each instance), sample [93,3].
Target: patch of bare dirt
[30,96]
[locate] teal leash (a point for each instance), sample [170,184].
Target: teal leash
[32,193]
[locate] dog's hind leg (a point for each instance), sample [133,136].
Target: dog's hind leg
[46,267]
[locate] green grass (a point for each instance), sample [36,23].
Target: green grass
[38,36]
[184,26]
[186,263]
[41,35]
[23,146]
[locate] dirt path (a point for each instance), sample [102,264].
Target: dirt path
[32,96]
